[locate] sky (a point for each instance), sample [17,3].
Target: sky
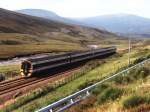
[82,8]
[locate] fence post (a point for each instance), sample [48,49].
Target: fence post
[87,93]
[71,101]
[50,110]
[86,90]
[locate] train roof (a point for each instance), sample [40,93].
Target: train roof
[60,55]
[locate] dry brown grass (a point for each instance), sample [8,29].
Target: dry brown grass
[7,51]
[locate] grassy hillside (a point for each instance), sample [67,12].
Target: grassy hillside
[22,34]
[96,71]
[128,93]
[23,44]
[121,24]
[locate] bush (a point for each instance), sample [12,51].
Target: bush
[99,89]
[83,105]
[133,101]
[139,60]
[2,77]
[93,64]
[11,74]
[10,42]
[147,100]
[148,56]
[86,84]
[109,94]
[52,86]
[138,73]
[89,102]
[141,72]
[122,79]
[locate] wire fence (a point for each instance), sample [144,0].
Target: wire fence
[75,98]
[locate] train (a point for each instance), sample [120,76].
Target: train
[30,67]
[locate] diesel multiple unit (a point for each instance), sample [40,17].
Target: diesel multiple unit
[30,67]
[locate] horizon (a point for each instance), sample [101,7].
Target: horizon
[83,17]
[82,8]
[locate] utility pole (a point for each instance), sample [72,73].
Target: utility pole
[129,50]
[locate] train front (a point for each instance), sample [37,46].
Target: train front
[26,68]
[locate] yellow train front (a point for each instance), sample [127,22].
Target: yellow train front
[49,64]
[26,68]
[39,66]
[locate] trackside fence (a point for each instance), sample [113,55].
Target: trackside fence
[75,98]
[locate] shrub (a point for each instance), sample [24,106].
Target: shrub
[93,64]
[138,73]
[2,77]
[86,84]
[141,72]
[10,42]
[10,74]
[87,103]
[100,89]
[109,94]
[148,56]
[133,101]
[122,79]
[52,86]
[147,98]
[139,60]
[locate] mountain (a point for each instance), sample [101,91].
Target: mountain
[22,34]
[48,15]
[40,13]
[121,23]
[13,22]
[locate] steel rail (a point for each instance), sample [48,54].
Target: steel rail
[85,91]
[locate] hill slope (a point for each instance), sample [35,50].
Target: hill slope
[26,34]
[49,15]
[12,22]
[39,13]
[121,23]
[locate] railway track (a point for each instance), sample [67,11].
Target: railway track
[20,83]
[57,67]
[8,81]
[16,86]
[15,83]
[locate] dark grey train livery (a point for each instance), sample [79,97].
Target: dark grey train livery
[30,67]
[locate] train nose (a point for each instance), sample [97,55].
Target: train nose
[25,68]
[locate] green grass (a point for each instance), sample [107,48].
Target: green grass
[12,45]
[107,67]
[133,101]
[15,44]
[113,97]
[51,87]
[109,94]
[96,74]
[133,75]
[10,71]
[8,51]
